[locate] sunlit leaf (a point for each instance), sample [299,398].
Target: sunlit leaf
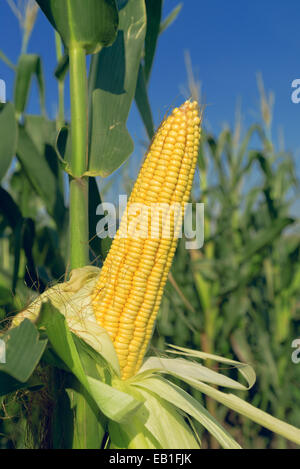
[241,406]
[170,18]
[112,83]
[91,24]
[182,400]
[29,65]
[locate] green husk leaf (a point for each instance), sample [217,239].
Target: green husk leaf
[53,323]
[73,300]
[246,370]
[89,426]
[115,404]
[165,422]
[157,424]
[182,400]
[184,368]
[134,435]
[244,408]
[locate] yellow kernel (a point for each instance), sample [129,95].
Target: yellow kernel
[127,296]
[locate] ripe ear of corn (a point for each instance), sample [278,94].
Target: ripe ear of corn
[128,293]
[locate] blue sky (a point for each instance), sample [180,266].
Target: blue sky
[229,42]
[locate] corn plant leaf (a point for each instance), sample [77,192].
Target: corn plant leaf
[22,291]
[181,367]
[170,18]
[89,427]
[64,149]
[244,408]
[133,435]
[23,351]
[29,65]
[62,67]
[162,419]
[96,370]
[17,251]
[142,102]
[41,130]
[9,209]
[6,60]
[8,137]
[9,384]
[24,235]
[13,218]
[265,237]
[94,241]
[246,370]
[40,175]
[97,338]
[72,300]
[98,247]
[154,12]
[6,296]
[43,133]
[63,415]
[94,366]
[182,400]
[241,346]
[217,148]
[53,323]
[242,150]
[112,83]
[115,404]
[91,24]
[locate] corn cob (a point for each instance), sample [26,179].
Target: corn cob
[128,293]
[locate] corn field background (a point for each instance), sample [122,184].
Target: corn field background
[237,296]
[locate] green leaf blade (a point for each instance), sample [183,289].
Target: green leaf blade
[23,351]
[8,137]
[29,65]
[91,24]
[112,83]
